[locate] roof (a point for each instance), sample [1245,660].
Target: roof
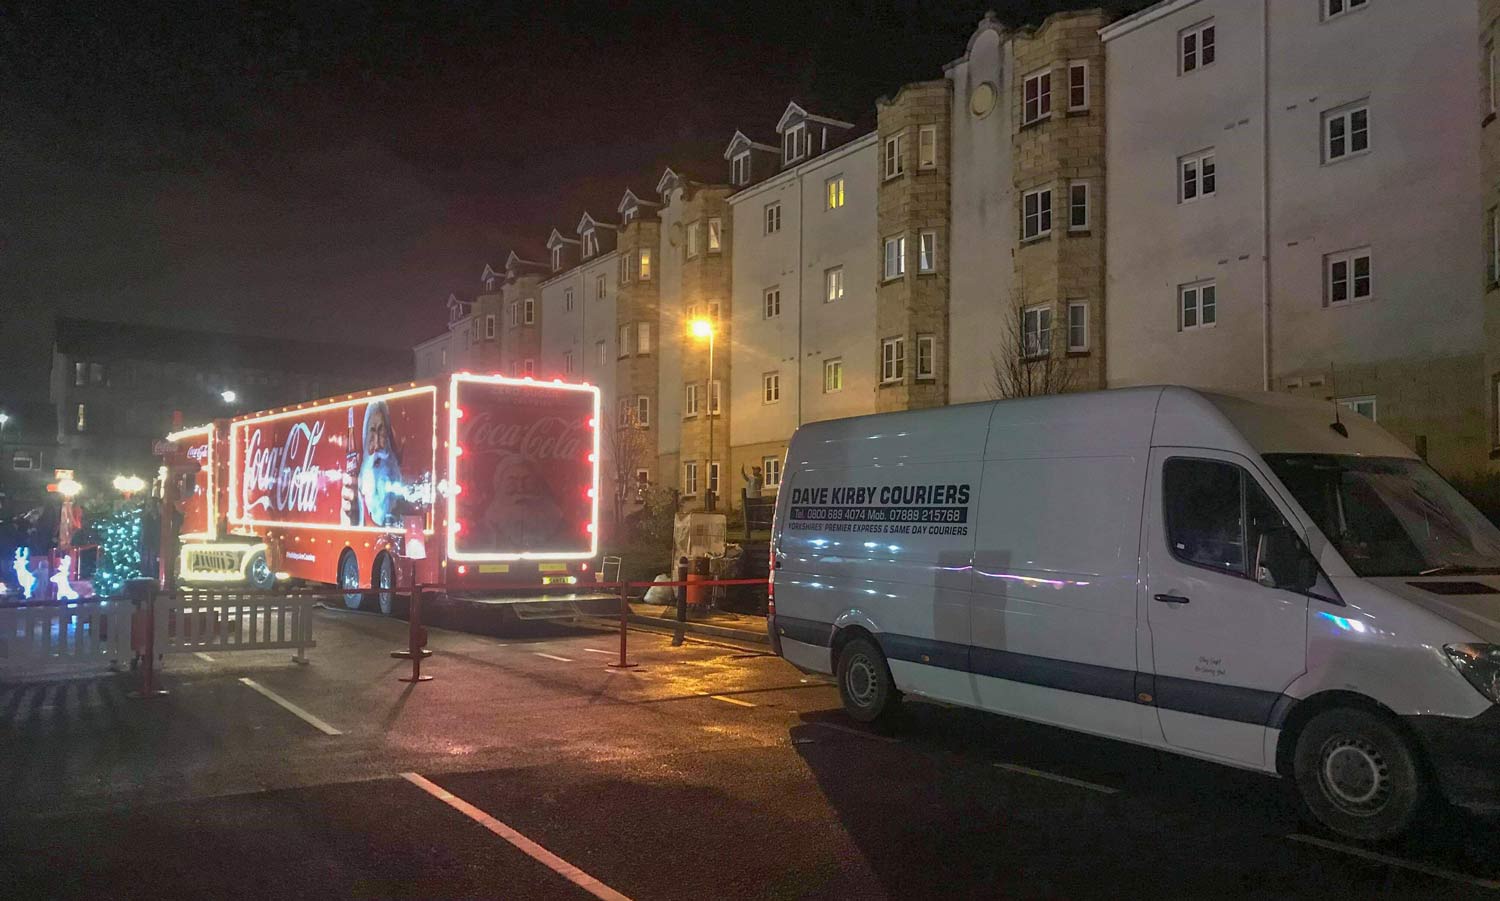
[739,140]
[793,111]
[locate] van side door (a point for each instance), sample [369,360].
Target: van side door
[1225,639]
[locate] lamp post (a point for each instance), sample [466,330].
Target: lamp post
[4,418]
[704,328]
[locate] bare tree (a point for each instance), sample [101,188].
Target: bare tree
[1029,361]
[628,447]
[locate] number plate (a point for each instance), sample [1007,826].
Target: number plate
[558,580]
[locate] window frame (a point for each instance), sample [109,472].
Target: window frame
[1076,65]
[833,191]
[1073,224]
[770,387]
[1325,7]
[716,397]
[898,243]
[625,340]
[771,218]
[739,175]
[1196,288]
[690,478]
[833,366]
[600,288]
[715,240]
[643,411]
[690,400]
[1353,403]
[1197,32]
[799,147]
[927,251]
[926,345]
[691,248]
[1036,343]
[643,264]
[893,360]
[769,465]
[528,311]
[623,277]
[1205,175]
[833,277]
[601,350]
[567,362]
[770,302]
[1043,99]
[1040,214]
[895,156]
[568,300]
[1350,259]
[489,326]
[1246,480]
[643,338]
[927,141]
[1078,347]
[1345,114]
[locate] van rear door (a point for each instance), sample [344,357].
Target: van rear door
[1224,646]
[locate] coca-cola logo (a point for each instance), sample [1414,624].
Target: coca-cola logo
[549,438]
[198,453]
[283,478]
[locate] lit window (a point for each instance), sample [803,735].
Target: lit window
[1333,8]
[1346,132]
[773,218]
[643,337]
[1347,276]
[927,252]
[892,359]
[895,257]
[1036,214]
[645,264]
[833,375]
[926,356]
[1078,326]
[689,400]
[895,150]
[1038,97]
[715,237]
[770,387]
[770,468]
[80,418]
[1364,405]
[529,305]
[835,188]
[1199,176]
[772,299]
[1078,85]
[927,147]
[1197,306]
[1036,332]
[740,169]
[1196,46]
[833,284]
[1078,206]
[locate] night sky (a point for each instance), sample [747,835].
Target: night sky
[332,171]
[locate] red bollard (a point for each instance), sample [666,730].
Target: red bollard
[624,613]
[416,640]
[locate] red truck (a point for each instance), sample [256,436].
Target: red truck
[476,486]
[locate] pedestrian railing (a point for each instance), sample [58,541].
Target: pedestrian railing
[52,638]
[210,621]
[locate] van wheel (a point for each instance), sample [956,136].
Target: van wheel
[391,602]
[865,685]
[1357,775]
[349,578]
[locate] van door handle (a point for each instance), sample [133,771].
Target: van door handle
[1173,599]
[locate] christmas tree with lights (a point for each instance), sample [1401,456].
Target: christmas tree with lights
[119,551]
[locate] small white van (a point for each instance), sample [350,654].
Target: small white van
[1258,580]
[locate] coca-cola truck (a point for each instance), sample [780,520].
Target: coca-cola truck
[477,486]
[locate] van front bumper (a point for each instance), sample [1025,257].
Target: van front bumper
[1465,756]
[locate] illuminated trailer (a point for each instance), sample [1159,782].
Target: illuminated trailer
[473,485]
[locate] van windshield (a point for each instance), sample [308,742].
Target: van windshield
[1390,516]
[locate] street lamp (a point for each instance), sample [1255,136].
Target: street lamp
[228,395]
[129,485]
[704,328]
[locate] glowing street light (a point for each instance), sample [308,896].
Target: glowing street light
[68,488]
[228,395]
[128,485]
[704,328]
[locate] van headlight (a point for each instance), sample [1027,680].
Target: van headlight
[1480,664]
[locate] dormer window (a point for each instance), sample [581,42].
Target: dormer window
[556,258]
[795,143]
[590,243]
[630,214]
[740,169]
[489,283]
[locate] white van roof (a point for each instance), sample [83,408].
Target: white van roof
[1107,423]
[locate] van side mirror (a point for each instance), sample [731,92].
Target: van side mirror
[1282,562]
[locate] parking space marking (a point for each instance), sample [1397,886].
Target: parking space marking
[1054,777]
[554,657]
[736,701]
[202,656]
[597,651]
[303,714]
[1412,865]
[525,845]
[870,735]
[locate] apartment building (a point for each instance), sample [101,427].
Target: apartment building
[1301,208]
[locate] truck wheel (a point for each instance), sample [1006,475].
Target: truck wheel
[349,578]
[259,573]
[865,685]
[1357,775]
[391,602]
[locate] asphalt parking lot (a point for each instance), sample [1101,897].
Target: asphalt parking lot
[529,768]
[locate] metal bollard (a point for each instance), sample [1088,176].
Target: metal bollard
[142,594]
[682,570]
[624,613]
[416,640]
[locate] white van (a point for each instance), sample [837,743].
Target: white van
[1258,580]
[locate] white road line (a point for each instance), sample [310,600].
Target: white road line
[308,717]
[202,656]
[870,735]
[1066,780]
[554,657]
[597,651]
[731,701]
[1394,861]
[527,846]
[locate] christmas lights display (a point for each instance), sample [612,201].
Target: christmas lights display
[119,551]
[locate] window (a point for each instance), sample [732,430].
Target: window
[599,287]
[893,360]
[713,477]
[927,147]
[1038,93]
[714,398]
[80,418]
[770,387]
[1346,132]
[557,258]
[833,284]
[895,257]
[1078,85]
[1196,45]
[1036,214]
[624,276]
[690,478]
[926,356]
[22,460]
[568,300]
[770,469]
[773,218]
[1078,327]
[96,373]
[643,411]
[1364,406]
[1078,206]
[739,169]
[1347,275]
[793,144]
[489,326]
[715,235]
[528,368]
[1198,176]
[1333,8]
[80,374]
[623,347]
[645,265]
[689,400]
[835,187]
[1215,514]
[642,483]
[692,239]
[643,338]
[629,215]
[927,252]
[895,149]
[601,352]
[772,298]
[1036,332]
[568,362]
[529,305]
[1197,306]
[833,375]
[590,243]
